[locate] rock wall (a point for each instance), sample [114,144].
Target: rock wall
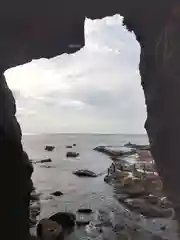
[34,29]
[16,184]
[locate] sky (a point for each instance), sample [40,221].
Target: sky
[95,90]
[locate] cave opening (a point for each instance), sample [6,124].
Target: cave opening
[96,89]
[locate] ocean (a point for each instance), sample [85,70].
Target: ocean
[77,192]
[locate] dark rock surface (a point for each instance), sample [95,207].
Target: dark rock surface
[57,193]
[48,229]
[72,154]
[84,173]
[16,168]
[65,219]
[49,148]
[47,160]
[84,210]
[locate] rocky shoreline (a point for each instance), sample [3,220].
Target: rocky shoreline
[142,210]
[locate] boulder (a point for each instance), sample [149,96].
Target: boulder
[74,144]
[49,148]
[72,154]
[57,193]
[65,219]
[85,173]
[48,229]
[84,210]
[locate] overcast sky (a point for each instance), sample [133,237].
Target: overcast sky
[94,90]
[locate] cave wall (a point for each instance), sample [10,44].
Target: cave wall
[35,29]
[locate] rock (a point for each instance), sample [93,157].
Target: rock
[148,210]
[65,219]
[49,148]
[136,146]
[34,196]
[44,160]
[74,144]
[84,210]
[107,178]
[72,154]
[49,230]
[68,146]
[82,222]
[152,199]
[85,173]
[57,193]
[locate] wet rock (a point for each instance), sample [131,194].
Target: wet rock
[107,179]
[48,229]
[47,160]
[74,145]
[85,173]
[49,148]
[146,209]
[80,223]
[136,146]
[152,199]
[84,210]
[57,193]
[65,219]
[34,196]
[68,146]
[163,228]
[72,154]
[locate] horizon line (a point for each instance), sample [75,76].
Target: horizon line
[78,133]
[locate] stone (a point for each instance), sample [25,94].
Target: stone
[68,146]
[49,230]
[49,148]
[80,223]
[72,154]
[84,173]
[65,219]
[47,160]
[84,210]
[57,193]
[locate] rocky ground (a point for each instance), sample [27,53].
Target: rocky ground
[141,211]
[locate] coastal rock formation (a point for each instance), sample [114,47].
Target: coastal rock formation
[35,29]
[16,170]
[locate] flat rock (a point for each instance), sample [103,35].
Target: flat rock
[85,173]
[147,209]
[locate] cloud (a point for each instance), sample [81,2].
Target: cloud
[94,90]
